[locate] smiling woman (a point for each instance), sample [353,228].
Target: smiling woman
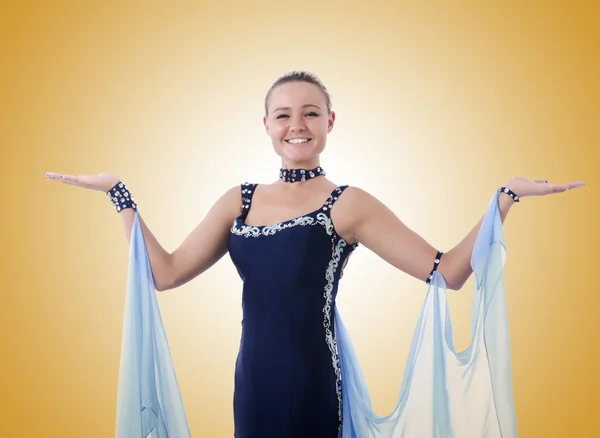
[301,117]
[296,374]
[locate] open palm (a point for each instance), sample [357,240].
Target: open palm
[524,187]
[103,181]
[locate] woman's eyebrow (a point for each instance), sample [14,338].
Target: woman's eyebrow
[288,108]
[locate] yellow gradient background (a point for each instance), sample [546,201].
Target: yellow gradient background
[438,104]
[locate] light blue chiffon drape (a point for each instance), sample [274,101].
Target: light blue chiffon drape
[444,393]
[149,403]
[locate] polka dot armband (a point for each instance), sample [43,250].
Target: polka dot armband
[509,192]
[121,198]
[436,262]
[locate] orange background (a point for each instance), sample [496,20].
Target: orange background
[438,104]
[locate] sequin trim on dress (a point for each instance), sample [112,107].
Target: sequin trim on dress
[331,342]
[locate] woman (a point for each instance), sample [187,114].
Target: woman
[290,241]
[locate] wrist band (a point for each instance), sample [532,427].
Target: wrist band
[436,262]
[121,198]
[509,192]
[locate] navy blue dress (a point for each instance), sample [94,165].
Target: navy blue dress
[287,375]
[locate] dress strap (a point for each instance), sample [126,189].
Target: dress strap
[247,193]
[333,198]
[327,209]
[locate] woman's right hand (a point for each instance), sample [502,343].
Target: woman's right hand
[102,182]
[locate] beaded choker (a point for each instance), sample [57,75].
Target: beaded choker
[298,175]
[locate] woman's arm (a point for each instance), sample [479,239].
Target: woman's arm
[457,261]
[207,243]
[376,227]
[200,250]
[204,246]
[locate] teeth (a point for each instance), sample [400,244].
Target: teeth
[298,140]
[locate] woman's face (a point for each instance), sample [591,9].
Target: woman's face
[298,123]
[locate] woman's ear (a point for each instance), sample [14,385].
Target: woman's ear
[330,122]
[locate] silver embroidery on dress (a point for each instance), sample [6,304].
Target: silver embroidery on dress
[268,230]
[325,220]
[331,342]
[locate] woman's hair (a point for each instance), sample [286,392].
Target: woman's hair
[299,76]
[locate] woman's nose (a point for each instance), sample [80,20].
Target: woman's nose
[297,124]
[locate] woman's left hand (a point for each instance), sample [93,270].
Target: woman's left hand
[524,187]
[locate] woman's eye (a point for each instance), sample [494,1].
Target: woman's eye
[311,114]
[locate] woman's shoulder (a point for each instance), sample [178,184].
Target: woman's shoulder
[356,203]
[353,196]
[352,206]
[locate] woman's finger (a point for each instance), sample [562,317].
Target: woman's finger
[70,179]
[559,188]
[575,185]
[52,175]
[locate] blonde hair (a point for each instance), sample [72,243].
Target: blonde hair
[299,76]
